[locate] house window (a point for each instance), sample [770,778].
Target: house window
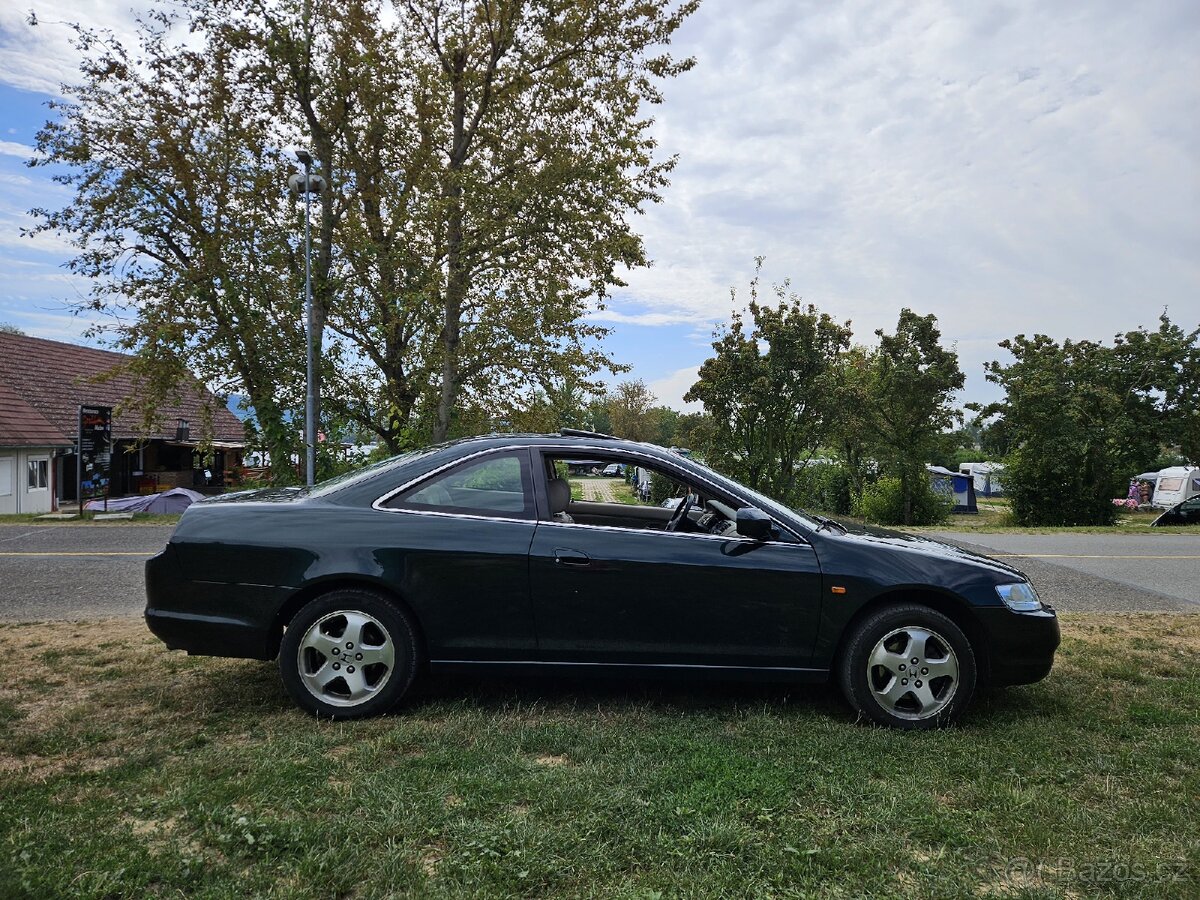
[39,474]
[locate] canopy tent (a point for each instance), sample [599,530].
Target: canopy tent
[175,500]
[956,485]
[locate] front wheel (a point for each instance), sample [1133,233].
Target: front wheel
[348,654]
[908,666]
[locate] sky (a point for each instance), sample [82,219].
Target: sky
[1020,167]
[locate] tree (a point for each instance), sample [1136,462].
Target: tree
[178,219]
[1163,369]
[773,389]
[631,411]
[908,391]
[9,328]
[483,162]
[1081,418]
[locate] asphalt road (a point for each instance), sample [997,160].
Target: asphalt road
[75,571]
[1100,572]
[95,571]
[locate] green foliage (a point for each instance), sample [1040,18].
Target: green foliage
[661,488]
[893,501]
[826,488]
[771,389]
[905,393]
[1083,417]
[631,412]
[483,163]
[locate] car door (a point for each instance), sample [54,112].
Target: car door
[629,595]
[458,552]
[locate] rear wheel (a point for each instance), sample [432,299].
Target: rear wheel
[908,666]
[348,654]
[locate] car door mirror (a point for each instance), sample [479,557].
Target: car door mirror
[754,523]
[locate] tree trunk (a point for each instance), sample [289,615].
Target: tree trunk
[906,493]
[456,269]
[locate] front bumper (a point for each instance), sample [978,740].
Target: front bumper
[1020,645]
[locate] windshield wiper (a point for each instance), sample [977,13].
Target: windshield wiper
[826,522]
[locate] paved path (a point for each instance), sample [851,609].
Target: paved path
[75,571]
[599,490]
[1100,572]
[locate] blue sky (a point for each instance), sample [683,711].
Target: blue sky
[1011,167]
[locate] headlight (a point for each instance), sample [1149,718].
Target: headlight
[1019,597]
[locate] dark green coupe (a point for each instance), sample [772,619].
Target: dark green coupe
[474,556]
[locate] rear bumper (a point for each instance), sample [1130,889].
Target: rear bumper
[1021,645]
[208,635]
[239,619]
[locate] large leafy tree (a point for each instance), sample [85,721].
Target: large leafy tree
[483,161]
[1081,417]
[772,389]
[910,383]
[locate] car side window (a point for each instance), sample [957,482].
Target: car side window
[499,485]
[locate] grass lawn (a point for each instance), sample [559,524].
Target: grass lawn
[129,771]
[88,518]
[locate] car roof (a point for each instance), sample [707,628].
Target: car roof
[358,487]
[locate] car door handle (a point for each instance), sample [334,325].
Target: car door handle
[576,558]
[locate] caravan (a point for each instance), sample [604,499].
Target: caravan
[1174,485]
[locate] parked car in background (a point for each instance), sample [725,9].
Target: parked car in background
[613,470]
[472,556]
[1185,513]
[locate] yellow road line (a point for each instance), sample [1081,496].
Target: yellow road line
[80,553]
[1082,556]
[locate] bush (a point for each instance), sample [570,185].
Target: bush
[661,488]
[883,503]
[825,488]
[1063,488]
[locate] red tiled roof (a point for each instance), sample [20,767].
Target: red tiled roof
[54,379]
[23,426]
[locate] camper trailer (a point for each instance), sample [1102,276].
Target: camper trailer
[1174,485]
[986,476]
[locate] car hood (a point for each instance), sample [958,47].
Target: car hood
[870,537]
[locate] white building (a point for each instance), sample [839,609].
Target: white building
[28,443]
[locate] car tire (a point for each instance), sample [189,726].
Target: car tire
[349,654]
[884,685]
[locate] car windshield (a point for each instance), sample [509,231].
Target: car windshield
[762,501]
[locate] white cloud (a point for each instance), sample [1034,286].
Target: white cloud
[22,151]
[670,390]
[1017,168]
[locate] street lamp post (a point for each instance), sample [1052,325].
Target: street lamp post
[308,184]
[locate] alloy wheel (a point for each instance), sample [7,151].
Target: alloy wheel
[913,672]
[345,658]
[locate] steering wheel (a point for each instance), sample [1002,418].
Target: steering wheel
[680,513]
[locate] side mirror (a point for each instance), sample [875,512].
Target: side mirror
[754,523]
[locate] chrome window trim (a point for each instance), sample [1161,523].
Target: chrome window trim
[650,532]
[558,448]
